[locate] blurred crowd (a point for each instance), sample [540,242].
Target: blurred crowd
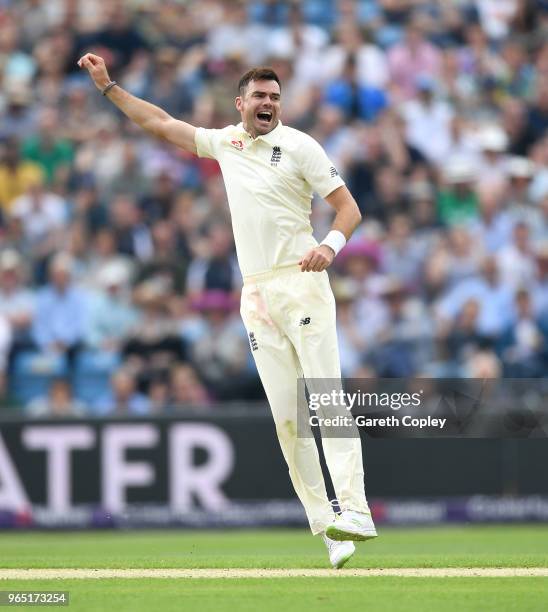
[118,280]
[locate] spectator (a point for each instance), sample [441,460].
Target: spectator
[496,16]
[235,36]
[428,121]
[218,268]
[335,137]
[132,235]
[17,65]
[19,118]
[120,36]
[538,111]
[457,200]
[352,340]
[493,227]
[515,125]
[158,394]
[403,341]
[50,152]
[492,163]
[78,106]
[462,338]
[540,285]
[219,348]
[380,149]
[165,88]
[60,315]
[153,343]
[388,197]
[43,217]
[356,100]
[59,402]
[167,262]
[123,397]
[453,260]
[130,176]
[516,260]
[518,76]
[403,256]
[102,255]
[495,300]
[414,57]
[370,60]
[158,203]
[16,175]
[17,302]
[111,315]
[522,345]
[539,184]
[88,210]
[100,157]
[520,203]
[359,262]
[482,364]
[187,389]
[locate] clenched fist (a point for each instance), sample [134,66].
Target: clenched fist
[317,259]
[97,69]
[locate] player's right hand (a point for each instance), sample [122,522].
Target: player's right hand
[97,69]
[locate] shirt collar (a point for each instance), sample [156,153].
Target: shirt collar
[270,138]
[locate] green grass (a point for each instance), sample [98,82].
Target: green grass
[301,594]
[490,546]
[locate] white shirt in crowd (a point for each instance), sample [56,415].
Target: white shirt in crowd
[39,214]
[428,128]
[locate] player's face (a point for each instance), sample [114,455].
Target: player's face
[260,107]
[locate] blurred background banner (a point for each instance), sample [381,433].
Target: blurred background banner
[119,285]
[226,470]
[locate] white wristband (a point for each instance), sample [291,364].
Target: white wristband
[334,240]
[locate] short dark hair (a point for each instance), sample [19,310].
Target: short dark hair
[262,73]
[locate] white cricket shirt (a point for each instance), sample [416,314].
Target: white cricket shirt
[269,182]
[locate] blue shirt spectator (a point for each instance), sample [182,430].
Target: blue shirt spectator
[356,101]
[59,322]
[111,315]
[494,298]
[123,397]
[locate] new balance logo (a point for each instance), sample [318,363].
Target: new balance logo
[304,321]
[333,171]
[276,156]
[253,341]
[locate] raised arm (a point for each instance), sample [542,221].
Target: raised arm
[148,116]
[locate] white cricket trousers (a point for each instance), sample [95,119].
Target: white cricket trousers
[290,319]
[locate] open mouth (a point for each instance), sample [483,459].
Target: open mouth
[264,116]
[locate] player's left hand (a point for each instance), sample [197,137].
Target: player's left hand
[317,259]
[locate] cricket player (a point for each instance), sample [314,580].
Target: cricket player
[270,173]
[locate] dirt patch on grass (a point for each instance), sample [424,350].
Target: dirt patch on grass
[86,574]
